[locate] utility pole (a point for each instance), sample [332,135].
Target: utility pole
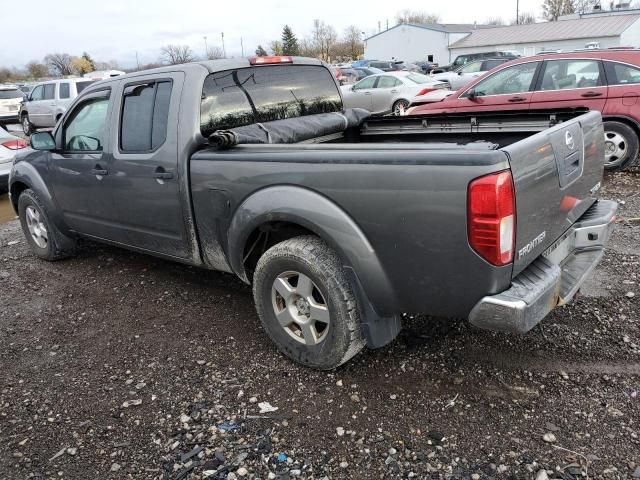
[517,12]
[206,48]
[137,61]
[224,51]
[242,47]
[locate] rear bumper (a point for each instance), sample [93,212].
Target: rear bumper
[8,118]
[553,278]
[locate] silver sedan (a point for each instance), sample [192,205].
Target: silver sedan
[388,92]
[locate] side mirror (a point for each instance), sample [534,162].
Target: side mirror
[459,73]
[471,94]
[42,141]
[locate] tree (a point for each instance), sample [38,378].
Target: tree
[176,54]
[81,65]
[214,53]
[276,47]
[584,6]
[289,42]
[352,38]
[552,9]
[524,19]
[420,18]
[308,48]
[89,60]
[261,52]
[59,63]
[5,75]
[36,69]
[324,38]
[495,21]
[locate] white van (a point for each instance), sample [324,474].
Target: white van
[48,101]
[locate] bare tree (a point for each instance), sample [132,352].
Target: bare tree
[36,69]
[214,53]
[176,54]
[308,48]
[524,19]
[324,38]
[352,38]
[59,63]
[495,21]
[584,6]
[553,9]
[420,18]
[276,47]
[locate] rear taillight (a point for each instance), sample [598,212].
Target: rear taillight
[15,144]
[424,91]
[270,59]
[492,218]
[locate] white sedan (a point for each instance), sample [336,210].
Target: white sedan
[9,145]
[389,91]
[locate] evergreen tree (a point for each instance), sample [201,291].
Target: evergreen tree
[261,52]
[89,60]
[289,42]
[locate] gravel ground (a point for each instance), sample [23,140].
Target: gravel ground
[118,365]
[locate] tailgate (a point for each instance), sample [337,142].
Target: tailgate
[557,175]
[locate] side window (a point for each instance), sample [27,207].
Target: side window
[472,67]
[365,84]
[621,74]
[37,93]
[64,91]
[568,74]
[490,64]
[387,82]
[145,114]
[49,91]
[84,131]
[514,79]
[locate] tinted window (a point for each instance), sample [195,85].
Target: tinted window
[489,64]
[365,84]
[49,91]
[64,91]
[461,60]
[388,82]
[85,129]
[145,114]
[259,94]
[37,93]
[471,67]
[515,79]
[569,74]
[620,74]
[9,94]
[80,86]
[419,78]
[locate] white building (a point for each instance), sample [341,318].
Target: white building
[413,43]
[571,32]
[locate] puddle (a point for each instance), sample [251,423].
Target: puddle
[6,212]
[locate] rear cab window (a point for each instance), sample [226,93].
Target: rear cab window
[233,98]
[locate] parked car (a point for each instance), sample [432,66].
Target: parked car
[603,80]
[388,92]
[429,97]
[48,101]
[10,98]
[367,71]
[459,77]
[9,145]
[339,235]
[470,57]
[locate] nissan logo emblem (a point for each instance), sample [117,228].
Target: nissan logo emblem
[568,139]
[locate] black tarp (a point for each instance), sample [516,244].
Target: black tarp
[291,130]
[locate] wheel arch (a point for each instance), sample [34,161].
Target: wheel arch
[623,119]
[303,211]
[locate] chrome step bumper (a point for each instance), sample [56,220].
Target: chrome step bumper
[553,278]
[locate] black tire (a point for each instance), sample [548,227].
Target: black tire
[27,126]
[57,246]
[396,106]
[621,145]
[309,256]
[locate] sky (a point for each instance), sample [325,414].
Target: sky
[118,29]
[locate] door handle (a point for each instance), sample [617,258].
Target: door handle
[394,91]
[99,171]
[367,93]
[517,99]
[162,174]
[591,94]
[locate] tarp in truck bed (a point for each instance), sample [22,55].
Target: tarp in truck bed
[291,130]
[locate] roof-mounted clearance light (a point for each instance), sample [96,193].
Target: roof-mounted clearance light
[270,60]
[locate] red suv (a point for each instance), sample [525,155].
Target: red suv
[604,80]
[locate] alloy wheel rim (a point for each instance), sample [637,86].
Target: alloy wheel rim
[37,228]
[25,124]
[615,148]
[300,308]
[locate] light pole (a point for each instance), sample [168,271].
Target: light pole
[517,12]
[224,51]
[206,47]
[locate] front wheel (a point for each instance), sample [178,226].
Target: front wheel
[400,107]
[27,126]
[306,304]
[620,145]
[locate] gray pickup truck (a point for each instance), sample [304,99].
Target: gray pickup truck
[493,219]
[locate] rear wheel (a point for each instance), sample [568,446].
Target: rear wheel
[400,106]
[27,126]
[306,303]
[620,145]
[43,237]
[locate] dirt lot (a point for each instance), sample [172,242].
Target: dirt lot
[118,365]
